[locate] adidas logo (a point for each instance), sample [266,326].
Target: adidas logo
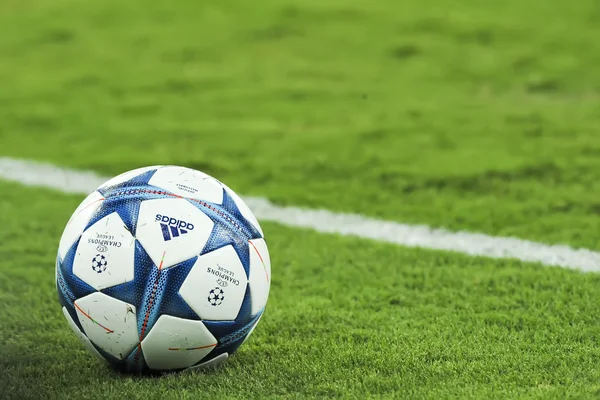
[173,227]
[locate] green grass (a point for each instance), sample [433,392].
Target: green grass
[418,111]
[471,115]
[346,318]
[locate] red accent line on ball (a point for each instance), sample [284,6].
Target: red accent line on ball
[80,211]
[92,319]
[192,348]
[261,259]
[145,324]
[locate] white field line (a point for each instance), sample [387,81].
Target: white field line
[476,244]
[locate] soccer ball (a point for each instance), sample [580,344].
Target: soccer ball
[163,268]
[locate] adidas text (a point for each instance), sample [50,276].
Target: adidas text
[173,227]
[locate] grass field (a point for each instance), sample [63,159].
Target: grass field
[475,116]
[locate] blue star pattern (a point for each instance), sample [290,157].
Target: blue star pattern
[125,199]
[154,291]
[231,228]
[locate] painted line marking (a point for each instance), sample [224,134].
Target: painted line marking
[66,180]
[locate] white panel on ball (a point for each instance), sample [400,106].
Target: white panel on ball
[82,338]
[109,323]
[105,254]
[216,285]
[125,176]
[175,343]
[244,209]
[172,230]
[260,274]
[190,183]
[78,221]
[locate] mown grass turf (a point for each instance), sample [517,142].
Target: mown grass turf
[470,115]
[346,318]
[418,111]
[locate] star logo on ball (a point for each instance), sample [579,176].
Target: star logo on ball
[99,263]
[216,296]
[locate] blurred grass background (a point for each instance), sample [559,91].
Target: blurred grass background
[420,111]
